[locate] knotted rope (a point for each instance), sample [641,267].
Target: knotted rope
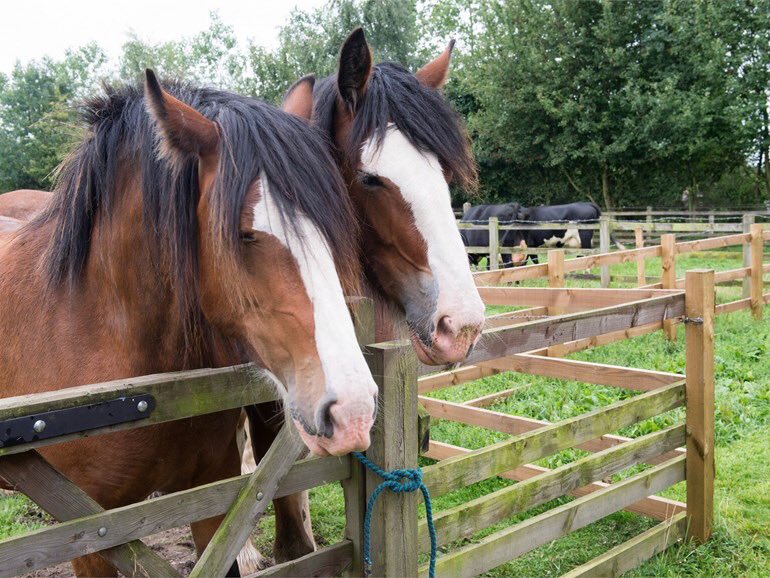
[397,481]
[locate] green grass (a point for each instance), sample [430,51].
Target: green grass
[740,545]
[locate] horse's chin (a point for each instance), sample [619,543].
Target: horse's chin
[424,353]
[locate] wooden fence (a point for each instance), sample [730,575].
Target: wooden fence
[577,319]
[608,230]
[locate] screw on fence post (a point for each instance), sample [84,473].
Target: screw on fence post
[748,221]
[394,446]
[757,248]
[494,243]
[641,278]
[604,247]
[668,276]
[699,345]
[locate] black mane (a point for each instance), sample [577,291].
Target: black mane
[256,138]
[421,113]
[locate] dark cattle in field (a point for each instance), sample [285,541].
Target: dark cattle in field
[559,237]
[480,215]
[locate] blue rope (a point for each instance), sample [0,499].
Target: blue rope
[412,481]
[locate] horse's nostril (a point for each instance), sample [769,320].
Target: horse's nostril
[326,425]
[445,326]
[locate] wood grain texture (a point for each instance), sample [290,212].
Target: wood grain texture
[462,471]
[324,562]
[464,520]
[641,277]
[571,299]
[248,507]
[500,547]
[57,495]
[177,395]
[83,517]
[634,552]
[668,276]
[699,359]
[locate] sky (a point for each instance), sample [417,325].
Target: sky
[33,28]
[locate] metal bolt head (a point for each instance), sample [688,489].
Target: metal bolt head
[39,426]
[142,406]
[102,532]
[260,495]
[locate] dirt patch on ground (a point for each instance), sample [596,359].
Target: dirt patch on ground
[175,546]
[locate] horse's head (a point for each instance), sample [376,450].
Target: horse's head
[272,217]
[400,145]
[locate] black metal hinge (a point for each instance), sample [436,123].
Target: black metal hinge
[60,422]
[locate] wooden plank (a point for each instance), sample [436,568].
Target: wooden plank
[641,278]
[613,258]
[249,506]
[510,274]
[748,220]
[329,561]
[733,306]
[709,244]
[668,276]
[699,362]
[571,299]
[57,495]
[489,461]
[464,520]
[652,506]
[596,373]
[555,275]
[354,492]
[526,337]
[756,271]
[506,423]
[605,339]
[494,244]
[512,317]
[453,377]
[604,246]
[493,398]
[500,547]
[178,395]
[633,552]
[79,535]
[394,523]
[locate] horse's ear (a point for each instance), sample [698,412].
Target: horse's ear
[299,98]
[183,130]
[435,73]
[354,69]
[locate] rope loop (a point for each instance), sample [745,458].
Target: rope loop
[398,482]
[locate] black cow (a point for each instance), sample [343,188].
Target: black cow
[480,215]
[557,237]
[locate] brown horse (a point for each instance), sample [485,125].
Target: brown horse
[226,247]
[399,145]
[23,204]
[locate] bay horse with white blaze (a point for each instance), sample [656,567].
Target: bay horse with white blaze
[211,231]
[399,145]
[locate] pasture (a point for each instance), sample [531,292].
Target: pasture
[740,543]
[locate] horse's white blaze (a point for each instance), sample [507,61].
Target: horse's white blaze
[424,188]
[346,372]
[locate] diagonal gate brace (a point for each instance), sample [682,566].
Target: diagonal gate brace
[30,473]
[248,507]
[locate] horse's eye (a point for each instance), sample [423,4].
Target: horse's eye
[248,236]
[371,181]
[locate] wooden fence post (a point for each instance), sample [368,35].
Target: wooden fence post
[555,274]
[757,248]
[668,275]
[466,207]
[711,222]
[748,221]
[649,215]
[699,334]
[494,243]
[641,278]
[604,247]
[354,488]
[394,446]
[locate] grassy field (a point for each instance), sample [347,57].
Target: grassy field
[741,542]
